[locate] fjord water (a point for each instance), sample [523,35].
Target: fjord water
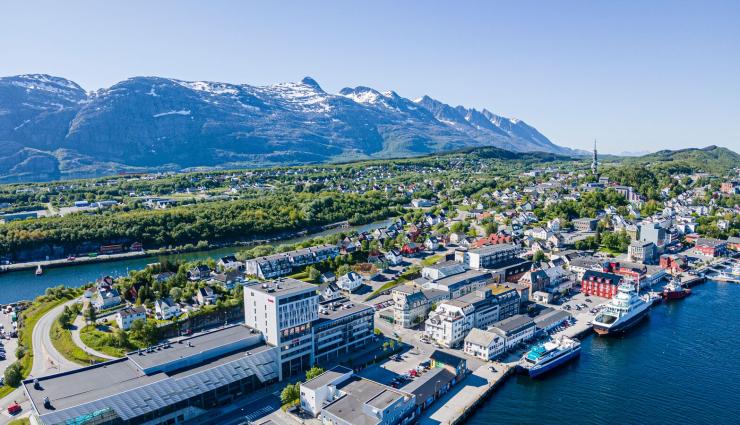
[680,366]
[25,285]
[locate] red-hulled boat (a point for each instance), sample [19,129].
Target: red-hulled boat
[675,290]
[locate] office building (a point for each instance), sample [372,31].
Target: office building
[284,310]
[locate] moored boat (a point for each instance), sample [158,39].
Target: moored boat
[39,270]
[545,357]
[622,312]
[675,290]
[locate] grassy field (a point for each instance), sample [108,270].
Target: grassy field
[432,259]
[100,340]
[20,421]
[61,338]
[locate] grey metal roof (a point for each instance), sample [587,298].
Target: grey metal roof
[85,391]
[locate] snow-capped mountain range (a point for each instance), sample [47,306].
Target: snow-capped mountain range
[52,128]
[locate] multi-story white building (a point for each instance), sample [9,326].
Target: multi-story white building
[343,327]
[411,305]
[514,330]
[284,311]
[125,318]
[450,322]
[487,257]
[484,344]
[441,270]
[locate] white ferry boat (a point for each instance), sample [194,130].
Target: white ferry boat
[544,357]
[622,312]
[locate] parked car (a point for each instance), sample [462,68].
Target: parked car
[14,408]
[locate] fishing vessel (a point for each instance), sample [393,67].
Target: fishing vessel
[622,312]
[544,357]
[675,290]
[39,270]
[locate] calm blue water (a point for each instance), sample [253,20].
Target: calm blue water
[25,285]
[681,366]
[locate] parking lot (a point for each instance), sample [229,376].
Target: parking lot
[8,344]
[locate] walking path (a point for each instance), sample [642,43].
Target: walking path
[79,323]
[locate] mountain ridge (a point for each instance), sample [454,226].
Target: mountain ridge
[54,129]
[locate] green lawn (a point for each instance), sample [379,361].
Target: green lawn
[21,421]
[99,339]
[61,338]
[432,259]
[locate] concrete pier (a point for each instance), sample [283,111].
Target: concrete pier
[462,400]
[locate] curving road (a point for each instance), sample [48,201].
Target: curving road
[46,361]
[46,358]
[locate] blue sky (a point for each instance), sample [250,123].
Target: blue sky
[635,75]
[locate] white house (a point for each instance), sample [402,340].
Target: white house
[394,257]
[349,282]
[125,318]
[205,295]
[229,263]
[484,344]
[432,243]
[106,297]
[166,309]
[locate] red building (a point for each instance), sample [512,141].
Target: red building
[673,263]
[711,247]
[410,249]
[111,249]
[492,239]
[600,284]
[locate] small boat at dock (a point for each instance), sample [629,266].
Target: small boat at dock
[39,270]
[675,290]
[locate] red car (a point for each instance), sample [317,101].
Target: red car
[14,408]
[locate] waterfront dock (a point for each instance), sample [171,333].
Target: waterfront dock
[462,400]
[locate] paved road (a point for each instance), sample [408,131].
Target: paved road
[46,358]
[46,361]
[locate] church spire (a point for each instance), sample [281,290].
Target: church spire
[595,163]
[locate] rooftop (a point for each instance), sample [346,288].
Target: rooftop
[197,345]
[327,377]
[550,316]
[446,358]
[492,249]
[428,383]
[360,391]
[498,289]
[513,323]
[282,286]
[481,337]
[332,310]
[122,386]
[464,277]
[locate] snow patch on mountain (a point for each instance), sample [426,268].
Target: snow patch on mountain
[163,114]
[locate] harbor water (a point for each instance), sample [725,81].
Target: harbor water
[25,285]
[679,366]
